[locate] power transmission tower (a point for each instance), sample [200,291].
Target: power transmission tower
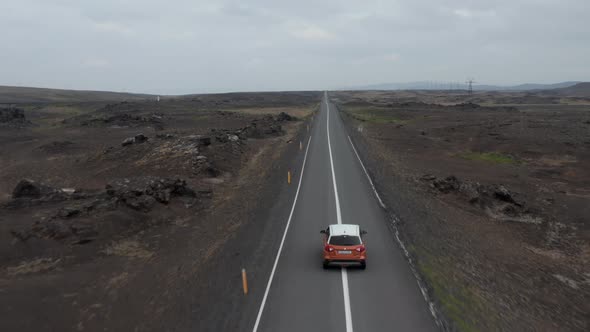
[470,82]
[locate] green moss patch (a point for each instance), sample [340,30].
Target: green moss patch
[492,157]
[376,115]
[459,302]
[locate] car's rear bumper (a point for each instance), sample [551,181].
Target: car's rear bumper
[335,257]
[344,262]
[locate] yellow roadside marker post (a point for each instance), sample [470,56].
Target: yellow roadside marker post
[289,177]
[244,281]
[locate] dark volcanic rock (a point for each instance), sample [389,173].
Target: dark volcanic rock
[503,194]
[264,127]
[13,117]
[75,222]
[165,136]
[68,212]
[30,189]
[201,140]
[467,106]
[224,136]
[495,199]
[117,116]
[29,193]
[428,177]
[27,189]
[284,117]
[11,114]
[141,202]
[140,138]
[446,185]
[53,229]
[142,192]
[128,141]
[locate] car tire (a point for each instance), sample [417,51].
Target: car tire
[326,264]
[363,265]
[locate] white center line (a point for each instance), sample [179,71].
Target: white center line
[274,267]
[347,311]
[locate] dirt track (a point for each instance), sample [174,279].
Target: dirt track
[492,198]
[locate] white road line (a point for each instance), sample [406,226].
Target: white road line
[367,174]
[274,267]
[347,311]
[423,290]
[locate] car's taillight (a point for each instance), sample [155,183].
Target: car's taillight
[360,249]
[328,248]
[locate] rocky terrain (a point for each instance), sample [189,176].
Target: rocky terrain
[102,203]
[13,117]
[490,193]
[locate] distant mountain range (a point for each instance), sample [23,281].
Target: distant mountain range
[426,85]
[579,90]
[17,94]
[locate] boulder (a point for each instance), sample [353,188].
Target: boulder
[503,194]
[141,203]
[428,177]
[201,140]
[28,193]
[448,184]
[54,229]
[128,141]
[27,189]
[284,117]
[69,212]
[13,117]
[140,138]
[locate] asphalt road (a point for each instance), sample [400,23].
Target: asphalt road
[300,294]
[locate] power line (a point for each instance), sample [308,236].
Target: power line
[470,82]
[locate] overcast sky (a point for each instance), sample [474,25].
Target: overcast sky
[180,46]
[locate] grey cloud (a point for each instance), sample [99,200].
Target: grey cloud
[203,46]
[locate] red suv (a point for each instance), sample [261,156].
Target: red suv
[343,245]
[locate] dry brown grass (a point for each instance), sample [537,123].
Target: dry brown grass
[557,161]
[128,248]
[118,280]
[299,112]
[34,266]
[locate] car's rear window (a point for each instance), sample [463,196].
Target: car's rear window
[345,240]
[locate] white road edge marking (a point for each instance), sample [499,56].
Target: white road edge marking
[419,281]
[274,267]
[347,311]
[367,174]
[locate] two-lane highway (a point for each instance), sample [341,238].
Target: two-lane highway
[301,295]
